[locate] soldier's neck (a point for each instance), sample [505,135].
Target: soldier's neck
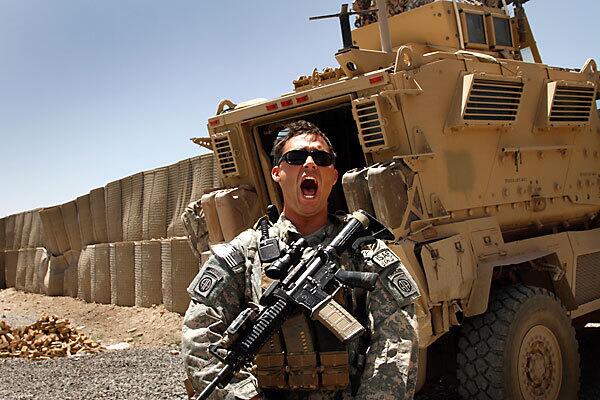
[306,225]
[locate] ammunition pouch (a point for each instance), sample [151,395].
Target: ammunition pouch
[300,367]
[303,371]
[270,365]
[271,370]
[334,370]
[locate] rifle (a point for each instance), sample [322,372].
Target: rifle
[307,285]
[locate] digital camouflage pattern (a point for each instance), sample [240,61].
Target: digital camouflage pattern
[398,6]
[220,292]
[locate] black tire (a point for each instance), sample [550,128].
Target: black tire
[522,348]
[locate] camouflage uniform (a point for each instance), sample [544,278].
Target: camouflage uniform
[391,359]
[399,6]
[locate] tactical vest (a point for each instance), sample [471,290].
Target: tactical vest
[304,355]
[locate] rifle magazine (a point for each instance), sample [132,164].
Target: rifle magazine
[338,320]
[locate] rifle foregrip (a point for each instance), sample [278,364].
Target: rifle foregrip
[262,329]
[246,349]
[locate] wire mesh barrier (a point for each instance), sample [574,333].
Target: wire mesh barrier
[179,267]
[22,262]
[9,232]
[83,274]
[154,205]
[53,281]
[56,239]
[180,187]
[70,278]
[49,238]
[148,285]
[122,273]
[40,269]
[132,201]
[37,231]
[100,274]
[18,232]
[11,259]
[69,214]
[114,213]
[98,210]
[30,270]
[84,217]
[26,230]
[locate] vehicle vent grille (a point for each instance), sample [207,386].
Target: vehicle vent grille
[492,101]
[587,284]
[571,104]
[225,154]
[370,123]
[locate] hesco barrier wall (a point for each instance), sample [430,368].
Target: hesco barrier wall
[123,243]
[179,266]
[122,273]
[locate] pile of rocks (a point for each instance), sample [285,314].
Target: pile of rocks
[47,338]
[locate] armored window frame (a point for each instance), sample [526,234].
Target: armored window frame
[493,34]
[470,40]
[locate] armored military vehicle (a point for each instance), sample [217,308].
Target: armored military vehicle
[484,162]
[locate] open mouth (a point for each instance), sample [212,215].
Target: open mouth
[309,187]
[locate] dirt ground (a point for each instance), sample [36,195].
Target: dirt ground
[109,324]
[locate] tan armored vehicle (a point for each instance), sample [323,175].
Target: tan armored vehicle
[485,166]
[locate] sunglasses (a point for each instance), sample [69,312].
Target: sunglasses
[298,157]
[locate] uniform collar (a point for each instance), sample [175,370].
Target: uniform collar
[318,237]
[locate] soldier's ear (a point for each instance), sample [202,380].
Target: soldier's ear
[275,171]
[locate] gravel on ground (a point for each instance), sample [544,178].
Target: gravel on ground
[136,373]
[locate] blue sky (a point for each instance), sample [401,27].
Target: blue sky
[92,91]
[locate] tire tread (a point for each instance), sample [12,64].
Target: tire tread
[483,338]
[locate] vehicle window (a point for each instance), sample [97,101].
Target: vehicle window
[502,32]
[475,28]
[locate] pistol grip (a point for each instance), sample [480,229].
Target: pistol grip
[338,320]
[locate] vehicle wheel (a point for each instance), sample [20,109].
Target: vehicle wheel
[522,348]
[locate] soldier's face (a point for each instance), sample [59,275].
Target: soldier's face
[305,187]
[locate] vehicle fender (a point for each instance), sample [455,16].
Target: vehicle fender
[480,293]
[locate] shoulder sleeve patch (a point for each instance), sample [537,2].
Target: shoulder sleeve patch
[207,281]
[229,255]
[403,283]
[400,284]
[384,258]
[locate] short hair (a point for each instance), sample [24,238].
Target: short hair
[296,128]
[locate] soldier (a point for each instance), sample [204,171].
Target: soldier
[316,364]
[398,6]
